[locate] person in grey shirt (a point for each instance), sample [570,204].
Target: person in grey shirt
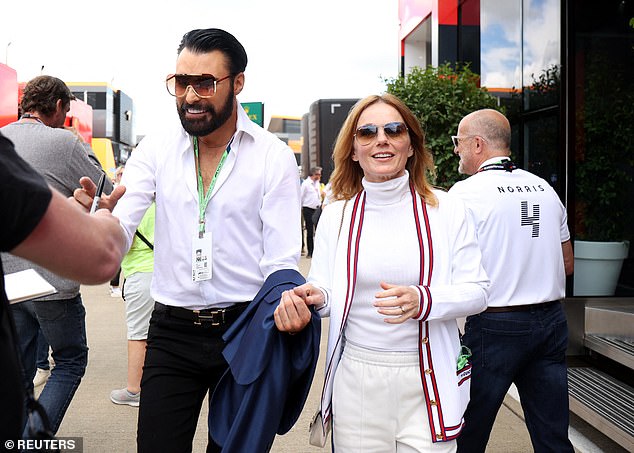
[62,157]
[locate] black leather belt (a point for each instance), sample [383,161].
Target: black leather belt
[209,316]
[521,307]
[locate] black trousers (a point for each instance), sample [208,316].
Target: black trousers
[183,362]
[11,384]
[310,228]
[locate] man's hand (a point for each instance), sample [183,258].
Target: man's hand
[85,195]
[292,314]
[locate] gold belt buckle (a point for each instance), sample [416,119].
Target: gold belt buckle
[216,317]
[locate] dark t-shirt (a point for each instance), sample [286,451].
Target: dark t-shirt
[24,198]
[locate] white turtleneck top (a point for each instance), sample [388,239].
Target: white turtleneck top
[388,252]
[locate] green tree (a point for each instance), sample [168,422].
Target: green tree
[440,97]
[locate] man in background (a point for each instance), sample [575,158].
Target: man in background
[62,158]
[42,226]
[311,200]
[521,338]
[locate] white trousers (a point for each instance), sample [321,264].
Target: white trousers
[378,404]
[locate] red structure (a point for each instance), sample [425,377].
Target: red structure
[8,95]
[80,118]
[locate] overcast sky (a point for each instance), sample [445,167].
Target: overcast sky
[299,50]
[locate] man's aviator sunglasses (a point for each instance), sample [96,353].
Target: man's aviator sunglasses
[204,85]
[367,133]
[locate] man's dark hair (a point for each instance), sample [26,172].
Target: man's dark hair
[42,93]
[210,39]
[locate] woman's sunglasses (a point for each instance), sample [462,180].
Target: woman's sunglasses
[395,131]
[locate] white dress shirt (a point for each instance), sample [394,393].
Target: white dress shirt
[253,215]
[311,196]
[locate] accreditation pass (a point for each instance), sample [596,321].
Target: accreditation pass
[201,257]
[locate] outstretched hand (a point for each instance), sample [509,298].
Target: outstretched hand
[85,195]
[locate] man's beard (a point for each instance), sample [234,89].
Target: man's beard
[203,127]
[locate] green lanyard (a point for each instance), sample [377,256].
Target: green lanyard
[203,200]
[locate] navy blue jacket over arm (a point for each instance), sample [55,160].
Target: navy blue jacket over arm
[269,376]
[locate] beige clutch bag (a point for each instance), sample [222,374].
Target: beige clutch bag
[318,434]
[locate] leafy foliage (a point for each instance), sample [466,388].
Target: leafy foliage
[545,89]
[604,152]
[440,97]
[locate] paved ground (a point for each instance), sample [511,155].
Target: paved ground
[106,427]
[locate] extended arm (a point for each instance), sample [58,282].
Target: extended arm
[68,241]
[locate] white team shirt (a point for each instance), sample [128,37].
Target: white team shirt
[521,224]
[253,214]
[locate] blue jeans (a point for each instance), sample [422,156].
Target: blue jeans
[527,348]
[63,323]
[42,352]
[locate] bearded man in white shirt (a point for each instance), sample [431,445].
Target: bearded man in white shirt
[227,217]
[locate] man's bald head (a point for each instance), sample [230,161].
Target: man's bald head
[490,125]
[482,135]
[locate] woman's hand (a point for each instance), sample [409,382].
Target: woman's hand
[399,303]
[310,295]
